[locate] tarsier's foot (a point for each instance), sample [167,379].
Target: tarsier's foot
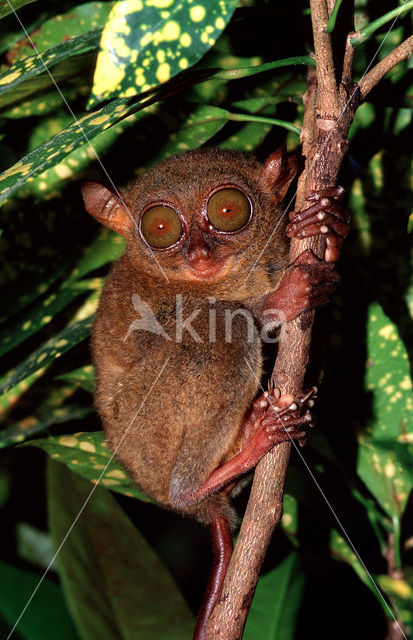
[275,418]
[325,217]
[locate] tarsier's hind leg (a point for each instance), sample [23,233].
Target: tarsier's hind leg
[273,419]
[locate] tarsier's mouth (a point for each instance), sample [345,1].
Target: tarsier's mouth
[207,270]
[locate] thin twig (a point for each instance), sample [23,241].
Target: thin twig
[347,75]
[373,77]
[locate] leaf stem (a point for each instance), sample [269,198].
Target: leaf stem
[332,20]
[243,117]
[244,72]
[366,32]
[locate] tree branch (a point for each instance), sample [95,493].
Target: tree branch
[373,77]
[329,112]
[327,87]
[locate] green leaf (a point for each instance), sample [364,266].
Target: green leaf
[17,586]
[53,151]
[7,7]
[147,42]
[84,377]
[34,65]
[61,27]
[401,593]
[11,397]
[106,247]
[274,610]
[48,101]
[114,582]
[35,285]
[76,161]
[386,471]
[88,455]
[37,317]
[35,424]
[48,352]
[289,520]
[203,123]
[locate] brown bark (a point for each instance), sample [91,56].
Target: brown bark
[329,112]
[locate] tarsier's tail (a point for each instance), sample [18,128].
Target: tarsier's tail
[222,545]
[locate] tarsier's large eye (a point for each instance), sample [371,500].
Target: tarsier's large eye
[161,227]
[228,210]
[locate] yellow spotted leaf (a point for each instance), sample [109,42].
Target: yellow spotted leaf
[384,462]
[147,42]
[88,455]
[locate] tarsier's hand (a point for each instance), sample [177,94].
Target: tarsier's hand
[308,281]
[325,217]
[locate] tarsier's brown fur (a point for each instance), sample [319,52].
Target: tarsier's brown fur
[176,411]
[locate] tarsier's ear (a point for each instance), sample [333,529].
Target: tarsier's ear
[107,208]
[279,171]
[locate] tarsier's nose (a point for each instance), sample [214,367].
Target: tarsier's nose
[199,253]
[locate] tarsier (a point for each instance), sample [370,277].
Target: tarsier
[206,243]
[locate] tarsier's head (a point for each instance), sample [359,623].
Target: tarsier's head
[202,216]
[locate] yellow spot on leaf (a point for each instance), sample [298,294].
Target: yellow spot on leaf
[121,48]
[10,78]
[87,446]
[146,39]
[287,520]
[219,23]
[388,332]
[197,13]
[164,72]
[390,470]
[68,441]
[63,171]
[108,75]
[171,31]
[406,438]
[116,473]
[159,4]
[185,40]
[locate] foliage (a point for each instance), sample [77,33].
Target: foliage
[111,88]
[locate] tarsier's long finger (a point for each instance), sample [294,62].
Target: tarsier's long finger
[319,223]
[329,192]
[296,216]
[333,244]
